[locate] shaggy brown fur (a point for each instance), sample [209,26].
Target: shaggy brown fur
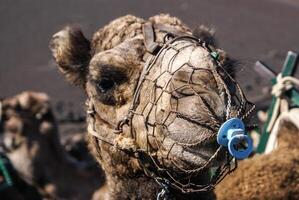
[115,62]
[270,176]
[31,142]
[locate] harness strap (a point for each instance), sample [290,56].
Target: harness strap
[149,38]
[150,43]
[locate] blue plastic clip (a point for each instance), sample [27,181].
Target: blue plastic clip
[231,135]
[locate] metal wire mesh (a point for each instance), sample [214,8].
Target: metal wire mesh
[159,107]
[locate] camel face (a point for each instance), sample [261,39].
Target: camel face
[174,97]
[171,111]
[29,138]
[27,127]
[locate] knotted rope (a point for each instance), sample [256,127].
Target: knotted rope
[283,84]
[281,106]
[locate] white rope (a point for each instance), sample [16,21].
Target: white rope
[283,84]
[291,116]
[281,106]
[274,115]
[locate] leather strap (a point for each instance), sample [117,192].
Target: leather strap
[149,38]
[148,28]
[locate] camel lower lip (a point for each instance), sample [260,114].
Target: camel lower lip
[194,156]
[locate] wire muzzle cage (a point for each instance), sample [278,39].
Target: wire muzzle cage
[149,120]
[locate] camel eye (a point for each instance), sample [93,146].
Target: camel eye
[105,84]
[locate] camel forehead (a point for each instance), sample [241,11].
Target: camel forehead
[116,32]
[129,26]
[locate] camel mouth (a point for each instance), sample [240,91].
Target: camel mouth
[194,156]
[200,155]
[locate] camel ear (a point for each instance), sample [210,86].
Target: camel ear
[71,51]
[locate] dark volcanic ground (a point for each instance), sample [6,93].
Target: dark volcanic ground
[247,30]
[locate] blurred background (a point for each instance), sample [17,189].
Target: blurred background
[247,30]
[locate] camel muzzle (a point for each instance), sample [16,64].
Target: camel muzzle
[173,175]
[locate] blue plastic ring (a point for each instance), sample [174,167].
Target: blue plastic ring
[241,154]
[233,123]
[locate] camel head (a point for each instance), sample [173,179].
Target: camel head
[156,97]
[30,139]
[29,135]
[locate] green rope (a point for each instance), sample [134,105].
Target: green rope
[7,177]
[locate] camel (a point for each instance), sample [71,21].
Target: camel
[268,176]
[156,95]
[30,141]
